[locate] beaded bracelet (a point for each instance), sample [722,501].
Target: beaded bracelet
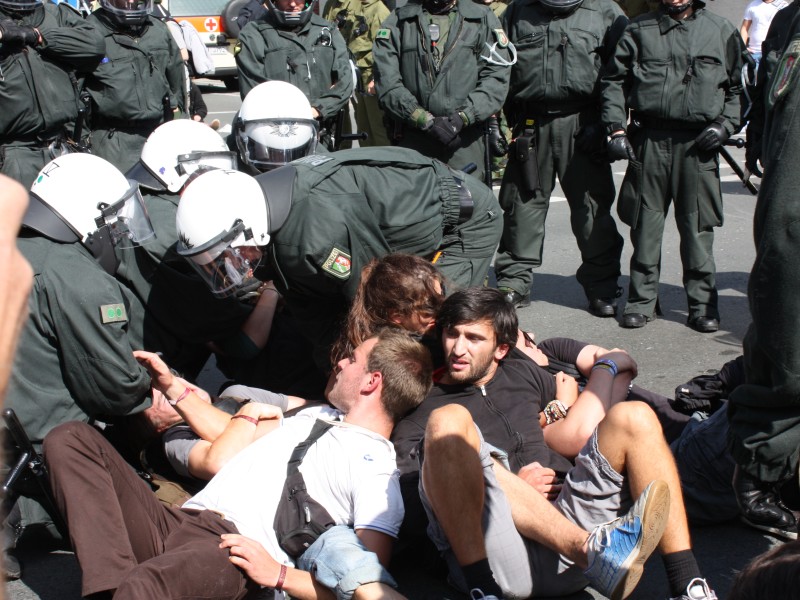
[554,411]
[607,364]
[247,418]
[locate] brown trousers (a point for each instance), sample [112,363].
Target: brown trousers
[125,540]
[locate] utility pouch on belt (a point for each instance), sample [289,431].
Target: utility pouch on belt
[524,153]
[300,519]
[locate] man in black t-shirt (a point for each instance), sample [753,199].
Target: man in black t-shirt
[498,533]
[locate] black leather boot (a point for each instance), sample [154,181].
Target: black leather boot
[761,506]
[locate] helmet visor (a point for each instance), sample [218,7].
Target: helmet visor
[270,143]
[127,219]
[221,159]
[136,9]
[226,270]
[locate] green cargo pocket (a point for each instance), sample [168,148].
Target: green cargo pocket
[630,195]
[709,195]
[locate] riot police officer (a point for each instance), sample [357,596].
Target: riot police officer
[42,46]
[679,71]
[554,107]
[293,44]
[138,83]
[441,70]
[312,225]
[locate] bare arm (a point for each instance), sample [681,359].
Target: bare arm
[602,391]
[744,30]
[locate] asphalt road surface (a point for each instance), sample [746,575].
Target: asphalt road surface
[667,351]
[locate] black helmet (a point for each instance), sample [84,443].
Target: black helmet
[20,5]
[559,7]
[288,19]
[128,12]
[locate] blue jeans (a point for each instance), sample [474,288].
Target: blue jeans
[339,561]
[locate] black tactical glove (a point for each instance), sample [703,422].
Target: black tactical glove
[712,137]
[591,139]
[752,155]
[446,129]
[11,33]
[619,147]
[498,144]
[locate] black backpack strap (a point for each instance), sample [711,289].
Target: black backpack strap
[320,427]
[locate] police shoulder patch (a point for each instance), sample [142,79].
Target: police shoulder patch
[313,160]
[113,313]
[383,34]
[502,38]
[337,264]
[786,72]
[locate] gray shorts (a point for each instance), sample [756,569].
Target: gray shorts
[593,493]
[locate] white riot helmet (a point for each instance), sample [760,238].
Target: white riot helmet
[177,149]
[128,12]
[224,220]
[83,198]
[275,126]
[290,19]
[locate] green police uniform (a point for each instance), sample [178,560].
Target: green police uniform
[313,58]
[677,77]
[355,205]
[368,17]
[468,72]
[554,95]
[181,315]
[37,94]
[74,358]
[764,413]
[140,68]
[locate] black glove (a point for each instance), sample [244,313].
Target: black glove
[498,144]
[446,129]
[11,33]
[619,147]
[590,139]
[712,137]
[752,154]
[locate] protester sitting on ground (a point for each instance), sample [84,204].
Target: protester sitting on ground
[396,290]
[211,434]
[625,458]
[130,546]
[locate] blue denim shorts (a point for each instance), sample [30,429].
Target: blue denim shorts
[339,561]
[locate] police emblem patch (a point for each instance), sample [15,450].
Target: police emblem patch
[786,72]
[113,313]
[313,160]
[502,38]
[383,34]
[337,264]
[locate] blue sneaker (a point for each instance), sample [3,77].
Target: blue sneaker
[618,549]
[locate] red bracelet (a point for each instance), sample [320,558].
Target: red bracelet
[281,579]
[247,418]
[185,393]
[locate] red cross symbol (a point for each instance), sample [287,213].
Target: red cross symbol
[211,24]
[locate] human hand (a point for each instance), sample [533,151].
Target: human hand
[619,147]
[446,129]
[160,415]
[542,479]
[371,88]
[252,558]
[498,144]
[752,156]
[712,137]
[162,377]
[623,360]
[11,33]
[566,389]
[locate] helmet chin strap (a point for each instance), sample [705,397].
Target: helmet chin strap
[676,9]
